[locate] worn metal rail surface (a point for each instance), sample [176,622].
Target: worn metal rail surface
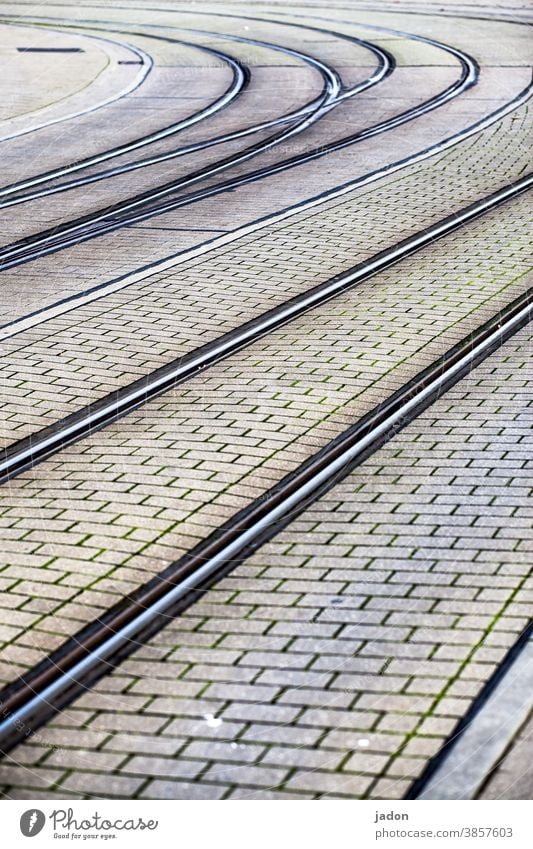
[238,84]
[27,452]
[91,653]
[82,659]
[145,62]
[386,64]
[128,212]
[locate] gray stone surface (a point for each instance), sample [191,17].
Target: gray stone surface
[336,660]
[482,744]
[513,776]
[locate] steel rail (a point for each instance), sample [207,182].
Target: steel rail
[329,98]
[437,12]
[386,65]
[107,220]
[29,451]
[502,328]
[12,328]
[146,62]
[322,104]
[35,697]
[240,80]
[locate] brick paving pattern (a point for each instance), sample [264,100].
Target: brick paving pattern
[58,82]
[110,511]
[103,345]
[335,661]
[122,251]
[513,777]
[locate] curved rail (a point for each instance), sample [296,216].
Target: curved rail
[27,452]
[32,700]
[107,220]
[385,67]
[240,79]
[102,289]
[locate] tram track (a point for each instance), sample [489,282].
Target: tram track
[65,674]
[238,84]
[123,214]
[29,451]
[385,66]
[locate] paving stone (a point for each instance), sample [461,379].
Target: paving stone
[182,790]
[340,656]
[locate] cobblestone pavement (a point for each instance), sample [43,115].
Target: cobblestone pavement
[336,660]
[122,504]
[101,346]
[273,91]
[504,73]
[157,102]
[58,82]
[513,778]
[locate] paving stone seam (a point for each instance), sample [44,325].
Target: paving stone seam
[124,214]
[30,450]
[490,724]
[146,67]
[235,540]
[101,290]
[240,77]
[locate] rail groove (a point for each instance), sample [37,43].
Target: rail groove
[386,65]
[27,452]
[30,701]
[126,213]
[472,750]
[239,82]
